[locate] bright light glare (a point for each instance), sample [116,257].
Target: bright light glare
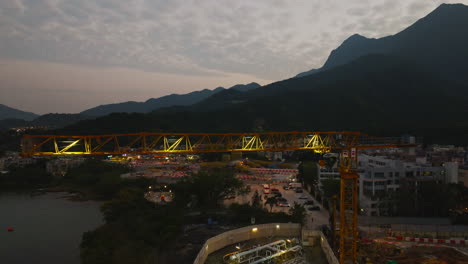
[254,229]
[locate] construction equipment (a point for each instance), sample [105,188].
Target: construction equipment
[348,206]
[287,251]
[332,210]
[155,143]
[348,143]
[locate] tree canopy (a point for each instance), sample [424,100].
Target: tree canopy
[207,188]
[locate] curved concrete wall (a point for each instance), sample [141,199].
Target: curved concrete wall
[246,233]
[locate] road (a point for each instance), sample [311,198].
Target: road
[314,219]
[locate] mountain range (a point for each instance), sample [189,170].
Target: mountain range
[164,101]
[10,117]
[7,112]
[413,82]
[436,42]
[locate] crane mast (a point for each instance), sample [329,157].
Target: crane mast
[348,206]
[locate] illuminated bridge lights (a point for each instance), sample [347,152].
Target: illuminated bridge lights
[153,143]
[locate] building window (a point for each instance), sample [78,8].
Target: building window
[379,175]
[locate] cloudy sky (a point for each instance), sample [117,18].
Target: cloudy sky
[70,55]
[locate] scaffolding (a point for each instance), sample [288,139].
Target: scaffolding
[286,251]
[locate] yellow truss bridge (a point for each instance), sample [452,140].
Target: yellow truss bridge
[154,143]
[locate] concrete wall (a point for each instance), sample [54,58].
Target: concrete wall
[246,233]
[310,237]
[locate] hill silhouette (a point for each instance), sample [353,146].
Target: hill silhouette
[164,101]
[418,88]
[437,41]
[392,99]
[7,112]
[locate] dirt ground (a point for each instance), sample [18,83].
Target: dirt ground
[187,246]
[379,253]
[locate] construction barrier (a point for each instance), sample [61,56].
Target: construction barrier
[273,171]
[432,240]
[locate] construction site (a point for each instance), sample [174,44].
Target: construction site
[392,253]
[268,250]
[275,244]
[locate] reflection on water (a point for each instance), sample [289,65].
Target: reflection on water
[47,228]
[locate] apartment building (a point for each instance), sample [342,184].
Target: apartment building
[380,177]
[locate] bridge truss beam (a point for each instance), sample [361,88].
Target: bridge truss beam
[154,143]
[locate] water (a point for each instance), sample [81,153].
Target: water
[47,228]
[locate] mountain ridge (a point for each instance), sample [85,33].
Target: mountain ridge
[380,94]
[7,112]
[347,102]
[163,101]
[420,42]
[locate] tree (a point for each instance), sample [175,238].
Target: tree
[271,201]
[330,162]
[256,199]
[308,173]
[27,176]
[330,187]
[298,213]
[207,188]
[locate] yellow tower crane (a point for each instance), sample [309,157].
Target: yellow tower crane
[347,143]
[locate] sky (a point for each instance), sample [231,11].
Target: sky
[66,56]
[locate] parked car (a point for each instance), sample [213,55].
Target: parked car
[274,190]
[266,191]
[281,199]
[284,205]
[277,194]
[286,187]
[266,186]
[302,197]
[314,208]
[309,202]
[298,190]
[295,185]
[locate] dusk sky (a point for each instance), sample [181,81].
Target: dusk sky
[70,55]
